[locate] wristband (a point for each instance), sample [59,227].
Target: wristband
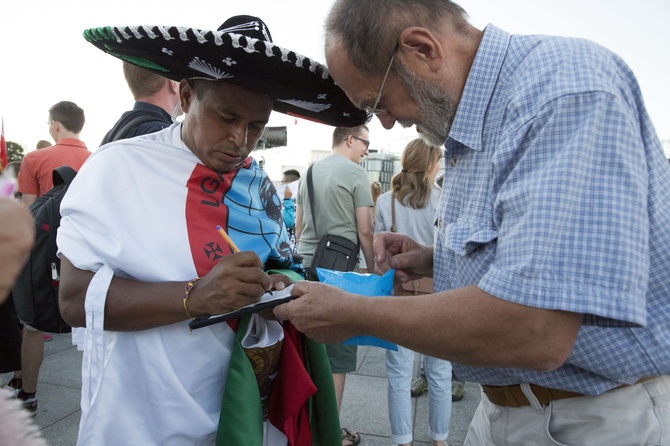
[187,290]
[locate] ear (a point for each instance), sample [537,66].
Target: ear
[172,86]
[420,49]
[186,94]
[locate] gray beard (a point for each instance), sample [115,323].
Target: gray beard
[436,110]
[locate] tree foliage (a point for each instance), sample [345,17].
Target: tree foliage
[15,151]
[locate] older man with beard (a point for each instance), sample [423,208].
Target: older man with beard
[552,247]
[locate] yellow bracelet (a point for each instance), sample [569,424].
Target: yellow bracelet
[187,290]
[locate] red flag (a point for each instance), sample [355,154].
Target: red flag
[3,147]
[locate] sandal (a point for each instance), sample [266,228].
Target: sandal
[353,438]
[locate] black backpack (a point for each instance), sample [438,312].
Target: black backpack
[35,292]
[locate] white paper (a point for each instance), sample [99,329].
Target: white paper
[294,190]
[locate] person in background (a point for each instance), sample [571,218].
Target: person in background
[375,191]
[17,234]
[409,208]
[12,170]
[552,249]
[66,121]
[156,102]
[420,384]
[342,206]
[42,143]
[288,203]
[10,326]
[145,257]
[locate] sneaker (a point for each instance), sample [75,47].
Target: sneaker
[419,386]
[14,384]
[46,337]
[457,390]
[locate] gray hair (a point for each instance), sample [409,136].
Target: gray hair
[368,29]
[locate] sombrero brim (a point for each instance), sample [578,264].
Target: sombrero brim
[300,86]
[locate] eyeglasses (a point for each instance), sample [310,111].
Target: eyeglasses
[364,141]
[380,111]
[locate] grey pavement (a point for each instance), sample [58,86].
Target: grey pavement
[364,405]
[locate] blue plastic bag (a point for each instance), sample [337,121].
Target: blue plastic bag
[367,285]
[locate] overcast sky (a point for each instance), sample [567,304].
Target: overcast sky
[45,59]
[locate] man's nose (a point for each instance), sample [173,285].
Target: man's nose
[387,120]
[239,134]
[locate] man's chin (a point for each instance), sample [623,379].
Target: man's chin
[430,138]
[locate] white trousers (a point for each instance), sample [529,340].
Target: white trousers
[637,415]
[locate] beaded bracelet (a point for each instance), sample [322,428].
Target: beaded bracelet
[187,290]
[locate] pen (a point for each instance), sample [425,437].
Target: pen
[232,244]
[228,240]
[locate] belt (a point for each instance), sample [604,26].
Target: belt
[513,396]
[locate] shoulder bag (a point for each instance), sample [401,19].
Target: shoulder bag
[333,252]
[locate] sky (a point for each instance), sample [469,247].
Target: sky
[45,59]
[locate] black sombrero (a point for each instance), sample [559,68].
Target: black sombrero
[241,52]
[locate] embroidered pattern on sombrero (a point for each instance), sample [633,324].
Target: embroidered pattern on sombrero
[207,68]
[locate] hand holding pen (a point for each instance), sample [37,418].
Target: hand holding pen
[232,245]
[234,282]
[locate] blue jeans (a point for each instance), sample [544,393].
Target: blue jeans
[438,374]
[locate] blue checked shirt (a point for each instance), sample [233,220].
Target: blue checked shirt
[557,195]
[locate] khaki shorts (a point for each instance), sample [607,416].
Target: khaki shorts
[342,358]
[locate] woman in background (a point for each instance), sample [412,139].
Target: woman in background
[413,199]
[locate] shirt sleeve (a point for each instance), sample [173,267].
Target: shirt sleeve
[572,212]
[361,191]
[289,212]
[27,180]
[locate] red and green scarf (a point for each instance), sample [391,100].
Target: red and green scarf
[302,404]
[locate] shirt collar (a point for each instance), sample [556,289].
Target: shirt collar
[471,113]
[71,142]
[149,107]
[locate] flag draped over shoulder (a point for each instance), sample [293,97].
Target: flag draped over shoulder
[3,147]
[302,405]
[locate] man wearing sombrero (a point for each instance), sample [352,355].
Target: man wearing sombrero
[141,255]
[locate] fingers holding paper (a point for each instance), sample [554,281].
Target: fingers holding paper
[323,312]
[280,281]
[236,281]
